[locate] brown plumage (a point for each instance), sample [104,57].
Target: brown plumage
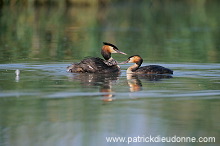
[96,64]
[150,69]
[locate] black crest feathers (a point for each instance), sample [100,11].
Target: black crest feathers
[109,44]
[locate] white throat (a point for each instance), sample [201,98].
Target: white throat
[129,70]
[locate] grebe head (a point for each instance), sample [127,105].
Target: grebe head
[134,59]
[108,48]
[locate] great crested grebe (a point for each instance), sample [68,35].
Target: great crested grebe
[150,69]
[96,64]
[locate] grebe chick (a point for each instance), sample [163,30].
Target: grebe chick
[96,64]
[150,69]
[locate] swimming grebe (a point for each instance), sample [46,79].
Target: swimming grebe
[150,69]
[96,64]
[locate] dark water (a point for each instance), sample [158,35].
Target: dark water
[44,105]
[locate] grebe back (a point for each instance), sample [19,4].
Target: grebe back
[150,69]
[96,64]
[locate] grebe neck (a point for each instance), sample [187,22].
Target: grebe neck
[133,68]
[106,55]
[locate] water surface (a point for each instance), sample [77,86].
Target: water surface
[61,108]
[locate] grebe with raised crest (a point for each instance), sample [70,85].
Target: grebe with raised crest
[96,64]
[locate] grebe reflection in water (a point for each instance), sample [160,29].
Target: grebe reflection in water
[104,82]
[134,83]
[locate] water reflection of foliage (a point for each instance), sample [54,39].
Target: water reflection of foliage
[162,31]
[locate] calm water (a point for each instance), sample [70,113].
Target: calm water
[46,106]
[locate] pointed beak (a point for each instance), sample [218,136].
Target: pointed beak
[124,62]
[120,52]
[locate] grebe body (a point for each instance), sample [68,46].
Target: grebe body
[96,64]
[150,69]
